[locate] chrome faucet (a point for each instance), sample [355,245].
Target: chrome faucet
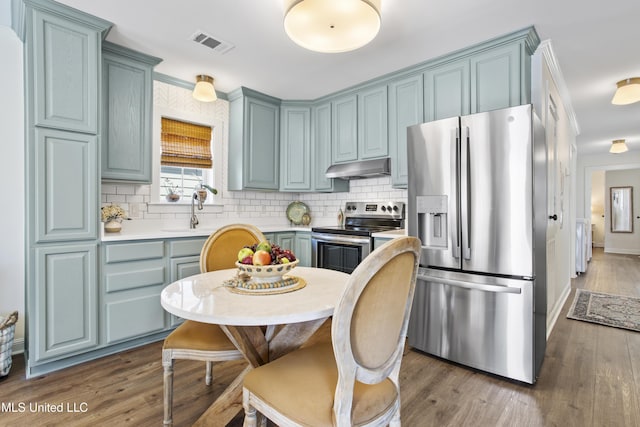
[200,195]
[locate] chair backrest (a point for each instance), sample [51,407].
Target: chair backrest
[370,320]
[220,251]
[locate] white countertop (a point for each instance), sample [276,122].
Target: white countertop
[159,229]
[391,234]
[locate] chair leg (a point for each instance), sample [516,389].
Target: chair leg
[208,377]
[167,363]
[250,419]
[395,420]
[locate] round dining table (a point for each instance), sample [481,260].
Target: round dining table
[263,326]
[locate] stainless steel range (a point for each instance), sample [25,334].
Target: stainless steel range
[343,248]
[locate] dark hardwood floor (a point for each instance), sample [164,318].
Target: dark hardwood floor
[590,377]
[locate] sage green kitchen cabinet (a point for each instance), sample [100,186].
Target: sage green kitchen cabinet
[64,186]
[321,142]
[406,108]
[497,79]
[302,247]
[127,103]
[63,57]
[446,89]
[373,138]
[254,141]
[63,306]
[379,241]
[133,276]
[344,129]
[184,261]
[295,148]
[286,240]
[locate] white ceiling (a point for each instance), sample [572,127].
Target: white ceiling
[595,42]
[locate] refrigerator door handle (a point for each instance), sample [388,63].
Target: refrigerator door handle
[471,285]
[454,216]
[465,177]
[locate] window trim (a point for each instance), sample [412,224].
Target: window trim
[217,143]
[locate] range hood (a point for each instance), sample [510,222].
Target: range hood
[361,169]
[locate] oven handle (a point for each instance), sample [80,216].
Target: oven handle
[341,238]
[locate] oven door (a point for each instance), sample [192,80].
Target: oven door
[338,251]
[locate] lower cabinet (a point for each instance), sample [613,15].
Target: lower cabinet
[379,241]
[65,300]
[133,277]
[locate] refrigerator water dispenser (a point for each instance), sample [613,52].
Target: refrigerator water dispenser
[432,220]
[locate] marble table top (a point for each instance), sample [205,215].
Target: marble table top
[203,298]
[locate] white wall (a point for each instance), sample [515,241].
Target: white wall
[625,243]
[597,207]
[12,257]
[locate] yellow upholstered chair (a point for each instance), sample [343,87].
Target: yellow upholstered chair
[354,380]
[203,341]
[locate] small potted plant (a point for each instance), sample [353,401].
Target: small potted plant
[112,216]
[173,194]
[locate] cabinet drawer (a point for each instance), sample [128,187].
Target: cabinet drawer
[180,248]
[134,317]
[132,275]
[134,251]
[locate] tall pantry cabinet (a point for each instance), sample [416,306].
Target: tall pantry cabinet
[62,94]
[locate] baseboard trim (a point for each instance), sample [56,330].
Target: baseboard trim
[18,346]
[622,251]
[557,309]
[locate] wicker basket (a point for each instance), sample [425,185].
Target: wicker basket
[7,331]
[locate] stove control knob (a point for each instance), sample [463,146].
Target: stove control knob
[383,208]
[395,208]
[389,208]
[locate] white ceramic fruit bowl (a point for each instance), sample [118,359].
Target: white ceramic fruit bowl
[267,273]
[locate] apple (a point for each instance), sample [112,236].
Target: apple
[261,257]
[264,246]
[243,253]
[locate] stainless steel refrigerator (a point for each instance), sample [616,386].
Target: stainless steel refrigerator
[477,200]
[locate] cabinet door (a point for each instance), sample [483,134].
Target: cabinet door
[344,129]
[373,138]
[496,79]
[295,157]
[65,56]
[64,301]
[65,186]
[179,269]
[303,249]
[446,90]
[261,153]
[126,128]
[321,142]
[286,240]
[405,109]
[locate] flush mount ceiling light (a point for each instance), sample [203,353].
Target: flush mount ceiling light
[628,91]
[332,26]
[618,146]
[204,91]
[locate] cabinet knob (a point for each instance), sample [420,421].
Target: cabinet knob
[553,217]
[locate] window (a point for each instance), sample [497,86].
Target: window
[183,175]
[186,158]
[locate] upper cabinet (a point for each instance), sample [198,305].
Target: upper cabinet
[372,123]
[322,147]
[254,141]
[127,103]
[344,129]
[500,78]
[295,148]
[63,58]
[406,103]
[446,88]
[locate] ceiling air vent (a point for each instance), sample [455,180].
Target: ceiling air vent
[216,44]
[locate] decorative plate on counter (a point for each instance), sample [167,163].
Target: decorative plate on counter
[295,212]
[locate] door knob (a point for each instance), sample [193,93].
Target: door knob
[553,217]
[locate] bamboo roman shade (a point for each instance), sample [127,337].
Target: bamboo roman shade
[185,144]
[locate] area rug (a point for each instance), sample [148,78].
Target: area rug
[606,309]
